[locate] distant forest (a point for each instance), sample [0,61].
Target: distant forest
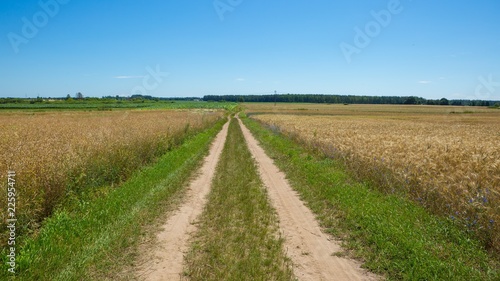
[348,99]
[297,98]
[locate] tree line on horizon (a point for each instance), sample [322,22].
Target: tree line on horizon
[290,98]
[346,99]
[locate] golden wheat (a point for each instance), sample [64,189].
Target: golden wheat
[449,162]
[55,152]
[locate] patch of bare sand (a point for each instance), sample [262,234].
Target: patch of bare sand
[310,250]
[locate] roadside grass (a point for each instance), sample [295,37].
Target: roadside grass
[93,241]
[238,236]
[393,236]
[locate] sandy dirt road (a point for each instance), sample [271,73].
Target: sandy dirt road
[167,260]
[307,246]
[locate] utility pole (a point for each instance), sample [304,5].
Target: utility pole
[275,96]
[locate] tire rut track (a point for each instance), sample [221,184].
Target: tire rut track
[172,242]
[310,250]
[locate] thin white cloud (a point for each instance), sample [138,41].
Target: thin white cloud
[424,82]
[240,79]
[128,77]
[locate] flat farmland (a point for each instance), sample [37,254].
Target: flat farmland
[61,157]
[285,192]
[447,158]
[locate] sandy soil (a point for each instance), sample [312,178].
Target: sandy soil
[307,246]
[166,260]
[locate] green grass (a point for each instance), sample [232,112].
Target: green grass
[106,105]
[89,241]
[394,236]
[238,237]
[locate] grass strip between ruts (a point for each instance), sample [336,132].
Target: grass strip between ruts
[238,236]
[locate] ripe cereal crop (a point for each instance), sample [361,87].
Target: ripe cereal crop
[446,158]
[57,156]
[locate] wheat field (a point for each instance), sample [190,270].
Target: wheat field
[446,158]
[59,154]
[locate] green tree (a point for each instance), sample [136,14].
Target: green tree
[411,100]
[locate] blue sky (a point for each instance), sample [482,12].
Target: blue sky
[178,48]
